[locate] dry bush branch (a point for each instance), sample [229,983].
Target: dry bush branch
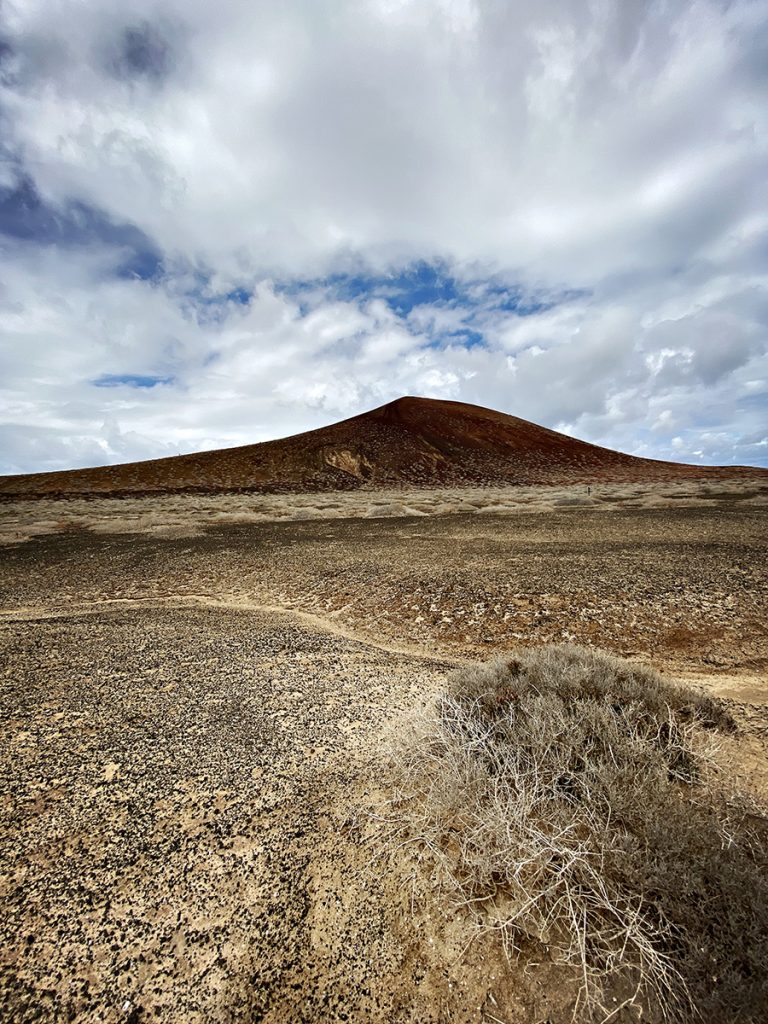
[574,800]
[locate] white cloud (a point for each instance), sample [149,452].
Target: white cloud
[609,160]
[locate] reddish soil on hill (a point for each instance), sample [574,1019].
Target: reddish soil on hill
[411,441]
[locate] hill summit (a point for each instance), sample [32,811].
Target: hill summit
[409,442]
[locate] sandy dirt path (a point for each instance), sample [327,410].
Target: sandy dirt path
[324,623]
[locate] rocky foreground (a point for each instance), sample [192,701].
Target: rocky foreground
[167,848]
[196,727]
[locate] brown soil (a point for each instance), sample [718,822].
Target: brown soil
[195,728]
[410,442]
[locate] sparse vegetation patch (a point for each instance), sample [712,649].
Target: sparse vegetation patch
[575,804]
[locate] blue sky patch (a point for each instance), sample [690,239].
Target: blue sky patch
[515,300]
[239,295]
[426,284]
[421,284]
[141,264]
[415,285]
[131,380]
[204,302]
[470,338]
[429,285]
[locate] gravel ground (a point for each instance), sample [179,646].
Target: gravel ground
[684,588]
[167,790]
[183,766]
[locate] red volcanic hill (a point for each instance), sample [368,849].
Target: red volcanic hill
[409,442]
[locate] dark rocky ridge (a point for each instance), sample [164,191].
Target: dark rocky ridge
[408,442]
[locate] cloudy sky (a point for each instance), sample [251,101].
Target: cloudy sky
[226,222]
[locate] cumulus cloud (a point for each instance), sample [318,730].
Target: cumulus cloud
[279,215]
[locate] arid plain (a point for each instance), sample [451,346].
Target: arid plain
[197,692]
[200,696]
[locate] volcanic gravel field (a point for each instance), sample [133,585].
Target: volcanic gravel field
[166,834]
[194,727]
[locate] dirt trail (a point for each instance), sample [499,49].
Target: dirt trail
[326,623]
[746,687]
[686,589]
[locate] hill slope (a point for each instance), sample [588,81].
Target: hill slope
[408,442]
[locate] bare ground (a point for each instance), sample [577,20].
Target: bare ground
[195,721]
[176,516]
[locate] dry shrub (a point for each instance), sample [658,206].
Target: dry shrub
[573,800]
